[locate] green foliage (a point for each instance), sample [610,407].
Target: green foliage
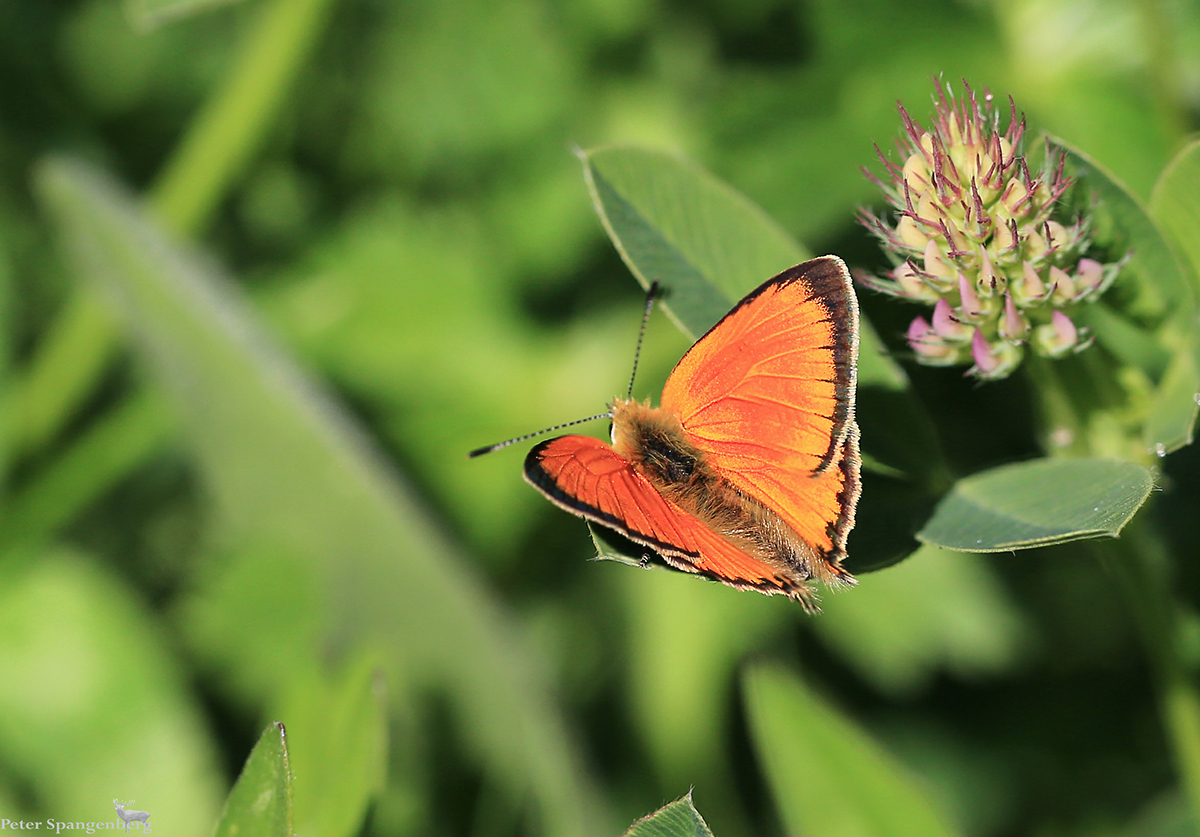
[150,13]
[88,687]
[1175,204]
[826,775]
[290,477]
[260,802]
[1037,503]
[703,243]
[337,748]
[1172,419]
[1155,278]
[679,819]
[938,611]
[239,494]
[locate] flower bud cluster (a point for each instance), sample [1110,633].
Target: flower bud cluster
[975,237]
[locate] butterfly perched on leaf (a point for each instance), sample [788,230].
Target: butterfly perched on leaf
[748,471]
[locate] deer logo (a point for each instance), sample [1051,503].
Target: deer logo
[131,816]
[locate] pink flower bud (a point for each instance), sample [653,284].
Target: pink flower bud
[1013,327]
[996,361]
[971,308]
[929,346]
[937,264]
[912,284]
[1030,290]
[1063,286]
[981,351]
[1056,338]
[1089,276]
[946,324]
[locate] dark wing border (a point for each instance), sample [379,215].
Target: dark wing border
[537,476]
[829,282]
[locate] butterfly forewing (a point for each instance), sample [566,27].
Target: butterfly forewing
[772,384]
[768,396]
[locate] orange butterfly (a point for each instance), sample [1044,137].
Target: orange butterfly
[749,471]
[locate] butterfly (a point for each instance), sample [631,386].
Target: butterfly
[748,471]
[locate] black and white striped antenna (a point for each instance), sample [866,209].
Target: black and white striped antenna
[637,353]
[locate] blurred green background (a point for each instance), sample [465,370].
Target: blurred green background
[391,187]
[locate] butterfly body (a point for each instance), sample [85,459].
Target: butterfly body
[748,472]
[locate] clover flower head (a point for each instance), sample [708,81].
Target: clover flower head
[980,237]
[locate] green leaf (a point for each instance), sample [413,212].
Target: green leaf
[1036,503]
[675,224]
[704,243]
[291,479]
[1172,418]
[826,774]
[1128,342]
[1122,224]
[607,549]
[92,702]
[147,14]
[1175,204]
[338,746]
[260,804]
[679,819]
[692,634]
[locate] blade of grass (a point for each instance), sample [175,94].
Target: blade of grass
[260,804]
[338,746]
[148,14]
[285,468]
[826,774]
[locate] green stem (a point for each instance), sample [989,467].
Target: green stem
[1140,561]
[1137,558]
[1167,94]
[80,345]
[73,355]
[231,127]
[110,448]
[1062,431]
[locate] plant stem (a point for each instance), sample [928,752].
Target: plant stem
[1163,70]
[1140,561]
[1138,558]
[231,126]
[106,451]
[222,138]
[1063,431]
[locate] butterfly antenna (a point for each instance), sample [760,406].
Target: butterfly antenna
[506,443]
[650,295]
[637,352]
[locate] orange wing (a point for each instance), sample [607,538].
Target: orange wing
[588,478]
[768,396]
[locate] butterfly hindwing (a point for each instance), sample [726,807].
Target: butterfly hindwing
[587,477]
